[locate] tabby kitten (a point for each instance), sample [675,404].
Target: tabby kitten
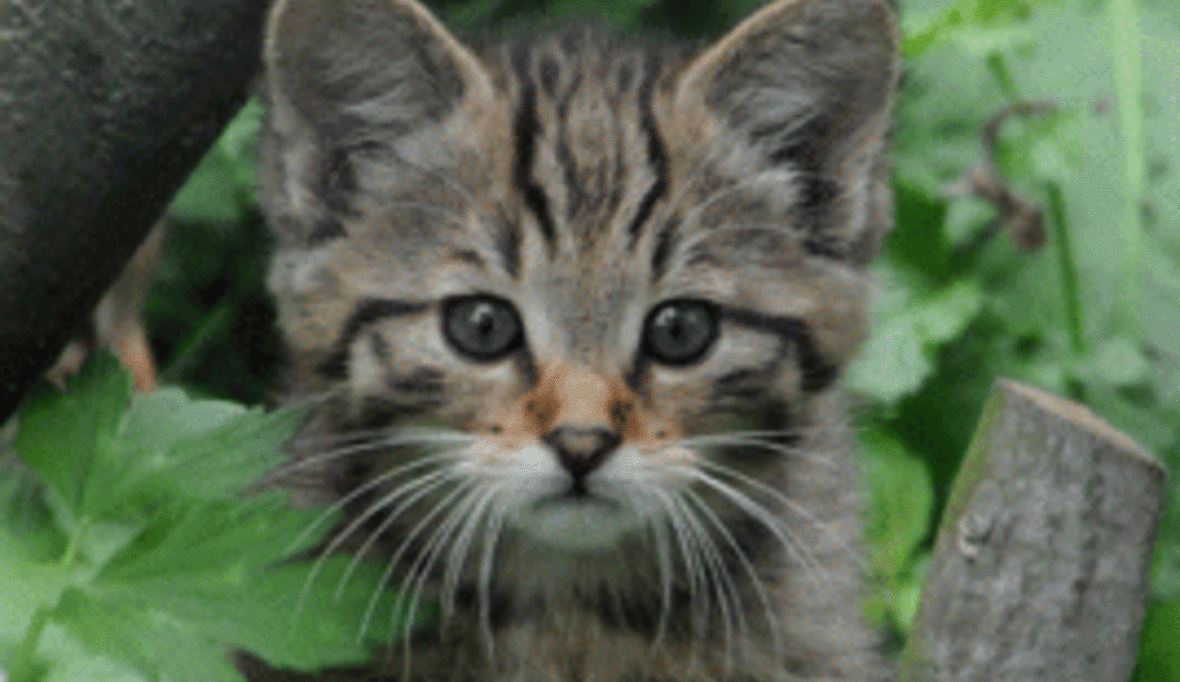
[573,311]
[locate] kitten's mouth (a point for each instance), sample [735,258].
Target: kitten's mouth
[579,520]
[577,495]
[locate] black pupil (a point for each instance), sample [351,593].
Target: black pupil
[484,319]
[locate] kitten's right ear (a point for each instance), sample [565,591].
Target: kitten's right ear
[344,76]
[389,63]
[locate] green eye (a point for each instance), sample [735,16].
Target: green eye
[482,327]
[679,332]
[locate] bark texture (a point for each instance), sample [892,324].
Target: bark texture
[105,107]
[1041,564]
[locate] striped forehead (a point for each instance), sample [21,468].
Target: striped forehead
[588,158]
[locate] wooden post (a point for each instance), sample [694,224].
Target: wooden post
[1041,564]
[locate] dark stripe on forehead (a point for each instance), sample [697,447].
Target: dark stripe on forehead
[366,313]
[657,155]
[526,127]
[565,156]
[818,373]
[662,251]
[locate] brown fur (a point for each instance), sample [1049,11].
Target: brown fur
[587,182]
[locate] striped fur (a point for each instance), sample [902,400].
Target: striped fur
[586,181]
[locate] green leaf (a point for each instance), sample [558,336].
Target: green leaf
[69,438]
[891,364]
[169,563]
[901,501]
[203,448]
[153,642]
[1159,644]
[943,316]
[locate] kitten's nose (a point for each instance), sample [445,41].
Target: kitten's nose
[581,449]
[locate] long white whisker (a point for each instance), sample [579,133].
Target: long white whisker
[740,439]
[759,587]
[666,568]
[781,531]
[421,487]
[360,490]
[393,561]
[342,535]
[728,601]
[688,553]
[459,550]
[789,504]
[425,561]
[393,440]
[720,582]
[491,538]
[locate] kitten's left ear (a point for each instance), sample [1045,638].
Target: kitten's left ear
[810,84]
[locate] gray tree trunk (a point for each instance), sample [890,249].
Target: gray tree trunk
[1040,568]
[105,107]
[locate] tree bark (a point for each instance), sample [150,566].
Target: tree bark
[105,107]
[1041,564]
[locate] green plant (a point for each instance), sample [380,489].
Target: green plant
[130,549]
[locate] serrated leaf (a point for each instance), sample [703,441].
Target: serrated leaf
[68,438]
[156,644]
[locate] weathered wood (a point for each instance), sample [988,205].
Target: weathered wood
[1041,564]
[105,107]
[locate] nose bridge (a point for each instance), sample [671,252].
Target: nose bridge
[581,397]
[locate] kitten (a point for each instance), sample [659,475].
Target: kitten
[574,312]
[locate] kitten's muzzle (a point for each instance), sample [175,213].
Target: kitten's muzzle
[581,449]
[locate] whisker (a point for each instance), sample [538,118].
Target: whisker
[789,504]
[664,557]
[759,586]
[696,580]
[396,439]
[781,531]
[459,550]
[341,536]
[421,487]
[393,561]
[492,537]
[721,582]
[741,440]
[425,561]
[357,492]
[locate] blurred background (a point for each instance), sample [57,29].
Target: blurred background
[1038,237]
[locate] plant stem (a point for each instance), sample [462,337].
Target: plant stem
[1123,17]
[1069,270]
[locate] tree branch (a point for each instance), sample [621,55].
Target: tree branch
[1041,564]
[105,107]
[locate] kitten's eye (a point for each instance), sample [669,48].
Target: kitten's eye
[679,332]
[482,327]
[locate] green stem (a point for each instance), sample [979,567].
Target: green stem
[23,667]
[1069,271]
[1123,17]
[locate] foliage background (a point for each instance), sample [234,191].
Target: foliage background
[1093,314]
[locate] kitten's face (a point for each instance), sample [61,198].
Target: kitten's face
[585,267]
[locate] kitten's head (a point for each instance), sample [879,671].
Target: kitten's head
[577,260]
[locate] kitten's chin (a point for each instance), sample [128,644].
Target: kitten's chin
[578,524]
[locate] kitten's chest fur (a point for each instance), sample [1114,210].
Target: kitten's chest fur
[573,312]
